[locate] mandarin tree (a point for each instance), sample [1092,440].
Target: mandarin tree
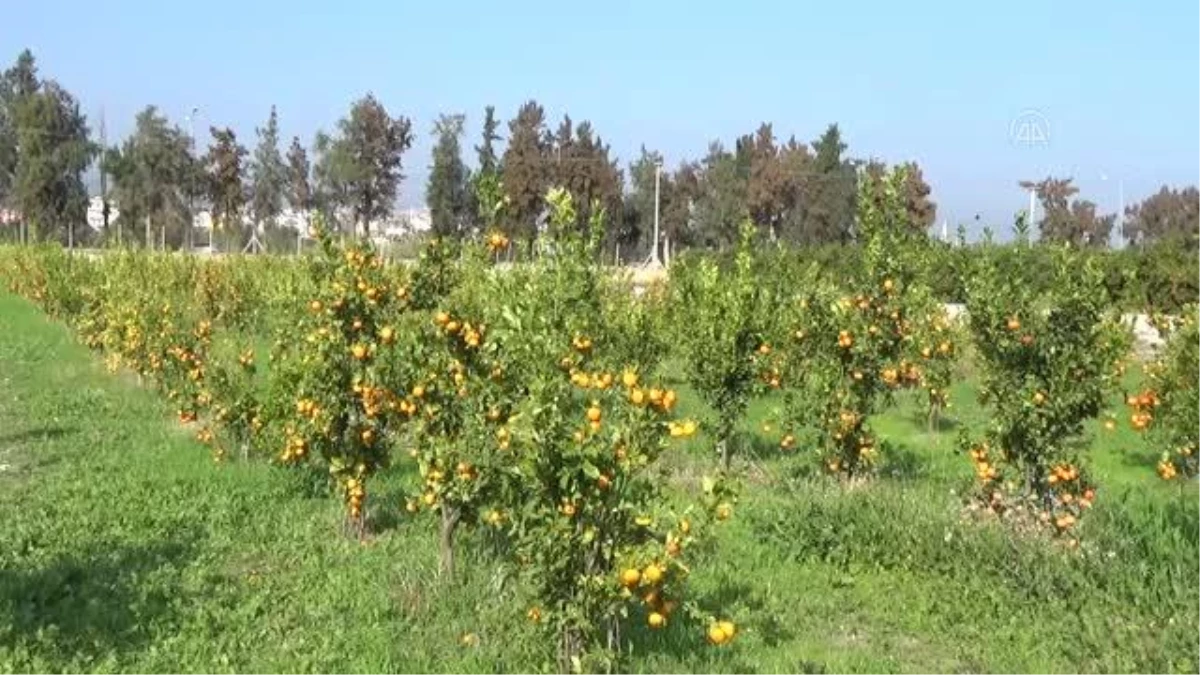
[585,512]
[1047,360]
[720,318]
[851,348]
[347,383]
[1170,405]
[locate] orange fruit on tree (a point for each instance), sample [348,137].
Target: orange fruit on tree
[652,574]
[656,620]
[630,577]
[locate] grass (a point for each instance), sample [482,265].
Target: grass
[124,548]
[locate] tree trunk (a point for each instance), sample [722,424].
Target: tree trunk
[934,411]
[450,517]
[570,649]
[726,456]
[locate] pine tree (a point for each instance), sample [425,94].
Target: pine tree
[225,189]
[48,189]
[487,151]
[16,84]
[372,144]
[525,171]
[153,173]
[830,191]
[268,175]
[721,205]
[447,193]
[299,191]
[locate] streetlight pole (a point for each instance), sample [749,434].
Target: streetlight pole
[1120,204]
[657,179]
[191,120]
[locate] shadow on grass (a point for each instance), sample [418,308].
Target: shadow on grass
[901,463]
[37,434]
[943,424]
[1140,458]
[680,643]
[90,604]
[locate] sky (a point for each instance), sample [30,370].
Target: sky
[981,94]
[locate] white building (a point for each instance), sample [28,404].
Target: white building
[95,212]
[416,221]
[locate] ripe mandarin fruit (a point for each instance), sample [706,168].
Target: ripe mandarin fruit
[630,577]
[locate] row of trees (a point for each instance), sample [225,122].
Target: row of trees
[801,193]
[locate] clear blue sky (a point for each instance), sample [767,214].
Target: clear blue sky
[1116,85]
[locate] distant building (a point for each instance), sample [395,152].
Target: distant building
[95,213]
[415,221]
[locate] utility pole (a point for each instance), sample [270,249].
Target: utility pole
[1120,204]
[191,118]
[657,179]
[104,211]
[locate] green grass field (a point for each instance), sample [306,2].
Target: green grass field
[123,547]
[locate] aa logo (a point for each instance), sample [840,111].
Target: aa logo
[1029,129]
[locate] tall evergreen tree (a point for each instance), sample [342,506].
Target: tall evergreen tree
[268,175]
[920,209]
[299,190]
[225,190]
[48,189]
[16,84]
[331,176]
[796,164]
[830,190]
[1167,214]
[525,171]
[721,205]
[769,189]
[361,168]
[447,191]
[639,230]
[153,172]
[486,151]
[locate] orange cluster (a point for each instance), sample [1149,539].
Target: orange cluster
[496,242]
[1066,479]
[581,344]
[648,581]
[1166,469]
[1143,406]
[985,470]
[721,632]
[681,429]
[355,494]
[295,447]
[471,336]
